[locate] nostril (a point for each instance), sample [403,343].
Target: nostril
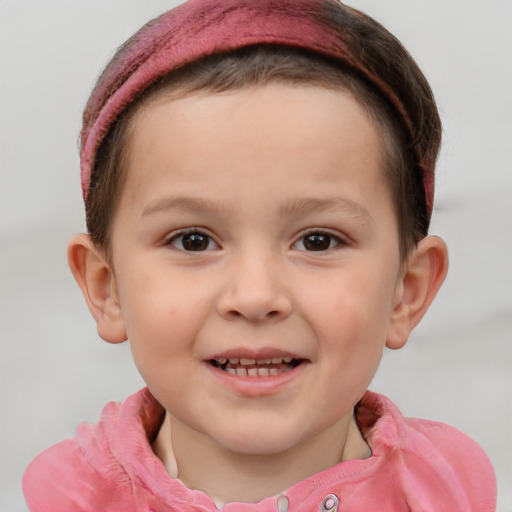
[253,305]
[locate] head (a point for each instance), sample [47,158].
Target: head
[255,66]
[332,45]
[259,194]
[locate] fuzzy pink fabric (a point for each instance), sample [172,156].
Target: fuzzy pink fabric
[203,27]
[415,466]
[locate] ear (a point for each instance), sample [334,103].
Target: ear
[423,275]
[95,277]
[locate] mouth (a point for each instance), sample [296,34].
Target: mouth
[253,368]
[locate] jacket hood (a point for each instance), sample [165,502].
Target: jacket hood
[416,465]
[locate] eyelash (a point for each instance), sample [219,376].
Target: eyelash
[191,232]
[323,241]
[323,236]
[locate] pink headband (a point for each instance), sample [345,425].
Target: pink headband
[203,27]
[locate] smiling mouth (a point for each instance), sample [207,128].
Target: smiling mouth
[244,367]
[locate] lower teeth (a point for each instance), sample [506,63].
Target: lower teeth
[264,371]
[257,370]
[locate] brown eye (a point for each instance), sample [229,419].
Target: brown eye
[193,242]
[317,242]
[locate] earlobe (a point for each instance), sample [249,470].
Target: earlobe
[96,279]
[423,275]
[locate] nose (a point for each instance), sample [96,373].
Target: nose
[254,290]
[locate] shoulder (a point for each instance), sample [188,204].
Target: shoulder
[61,479]
[465,464]
[439,467]
[85,473]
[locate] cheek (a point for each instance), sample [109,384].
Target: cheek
[351,316]
[161,321]
[362,300]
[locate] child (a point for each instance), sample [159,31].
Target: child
[258,180]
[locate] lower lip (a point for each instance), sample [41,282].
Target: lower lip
[256,386]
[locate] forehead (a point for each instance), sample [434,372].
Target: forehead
[300,135]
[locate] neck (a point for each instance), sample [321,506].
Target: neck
[228,476]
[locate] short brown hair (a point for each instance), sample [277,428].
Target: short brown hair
[404,147]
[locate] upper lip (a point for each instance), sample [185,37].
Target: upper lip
[251,353]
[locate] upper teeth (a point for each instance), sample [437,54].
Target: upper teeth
[248,361]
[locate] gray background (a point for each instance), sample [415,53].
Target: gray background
[54,370]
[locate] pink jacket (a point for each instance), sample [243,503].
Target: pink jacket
[416,466]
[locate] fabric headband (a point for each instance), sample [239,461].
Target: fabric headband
[200,28]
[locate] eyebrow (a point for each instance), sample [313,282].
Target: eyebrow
[289,208]
[184,204]
[313,204]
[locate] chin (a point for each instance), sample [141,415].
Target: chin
[264,442]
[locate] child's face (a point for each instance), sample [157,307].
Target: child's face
[257,224]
